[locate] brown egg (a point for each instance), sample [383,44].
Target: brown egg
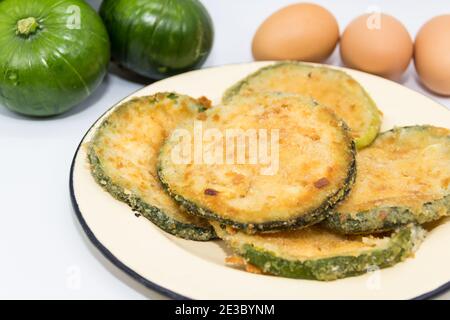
[302,31]
[432,54]
[377,43]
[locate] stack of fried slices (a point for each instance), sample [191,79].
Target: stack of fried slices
[290,170]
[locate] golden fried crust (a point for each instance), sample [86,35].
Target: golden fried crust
[305,244]
[330,87]
[404,167]
[315,160]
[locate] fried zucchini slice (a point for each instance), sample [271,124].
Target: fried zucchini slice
[403,177]
[315,253]
[123,155]
[309,168]
[330,87]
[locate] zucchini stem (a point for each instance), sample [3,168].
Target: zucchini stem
[27,26]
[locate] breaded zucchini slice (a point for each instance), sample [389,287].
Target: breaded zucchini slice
[303,163]
[403,177]
[315,253]
[330,87]
[123,155]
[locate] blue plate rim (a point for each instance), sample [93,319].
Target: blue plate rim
[147,283]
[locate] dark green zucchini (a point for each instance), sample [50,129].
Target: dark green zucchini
[332,88]
[123,157]
[158,38]
[53,55]
[316,165]
[403,177]
[317,254]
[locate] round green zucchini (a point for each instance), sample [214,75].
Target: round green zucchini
[123,156]
[317,254]
[403,177]
[282,162]
[330,87]
[158,38]
[53,55]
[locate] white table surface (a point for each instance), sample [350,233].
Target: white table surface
[44,252]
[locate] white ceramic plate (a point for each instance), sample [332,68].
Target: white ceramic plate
[188,269]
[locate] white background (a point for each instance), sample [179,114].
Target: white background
[43,251]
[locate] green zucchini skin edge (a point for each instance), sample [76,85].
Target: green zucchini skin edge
[310,218]
[360,142]
[401,245]
[152,213]
[384,219]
